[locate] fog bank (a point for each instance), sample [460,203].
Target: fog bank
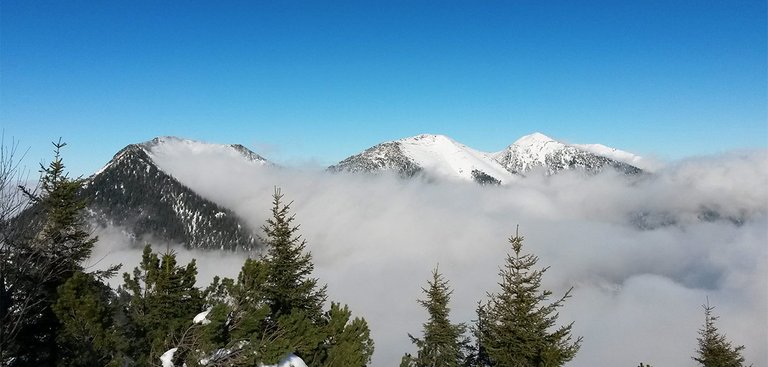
[642,255]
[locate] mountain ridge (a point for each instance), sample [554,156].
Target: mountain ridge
[422,154]
[134,192]
[146,187]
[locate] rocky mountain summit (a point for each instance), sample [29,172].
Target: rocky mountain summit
[441,156]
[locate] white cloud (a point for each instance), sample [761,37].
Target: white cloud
[637,293]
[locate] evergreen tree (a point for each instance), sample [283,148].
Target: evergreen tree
[478,355]
[237,330]
[348,342]
[44,256]
[241,331]
[163,300]
[714,350]
[289,284]
[64,235]
[443,343]
[292,294]
[521,331]
[88,335]
[274,308]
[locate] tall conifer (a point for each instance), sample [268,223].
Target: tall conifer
[275,307]
[714,350]
[521,328]
[290,285]
[443,343]
[478,355]
[44,257]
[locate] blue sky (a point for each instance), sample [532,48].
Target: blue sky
[317,81]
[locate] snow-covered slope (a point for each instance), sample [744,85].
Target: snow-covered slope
[615,154]
[440,156]
[446,157]
[538,151]
[434,155]
[528,152]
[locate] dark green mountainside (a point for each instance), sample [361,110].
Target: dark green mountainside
[133,193]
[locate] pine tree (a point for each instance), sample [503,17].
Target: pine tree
[293,295]
[240,330]
[86,309]
[521,331]
[443,343]
[273,308]
[64,235]
[45,255]
[237,330]
[714,350]
[478,355]
[348,342]
[163,300]
[289,284]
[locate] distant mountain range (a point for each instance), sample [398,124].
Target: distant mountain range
[441,156]
[143,192]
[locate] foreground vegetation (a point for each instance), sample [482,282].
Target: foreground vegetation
[56,312]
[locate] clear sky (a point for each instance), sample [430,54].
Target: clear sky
[317,81]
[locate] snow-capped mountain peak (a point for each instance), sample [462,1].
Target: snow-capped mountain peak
[534,148]
[173,147]
[169,152]
[446,157]
[184,158]
[434,155]
[534,139]
[540,151]
[442,156]
[149,189]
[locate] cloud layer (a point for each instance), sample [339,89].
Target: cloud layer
[637,292]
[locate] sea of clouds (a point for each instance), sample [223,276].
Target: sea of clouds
[637,253]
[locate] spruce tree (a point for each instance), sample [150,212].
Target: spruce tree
[443,343]
[714,349]
[162,301]
[521,329]
[64,235]
[88,337]
[275,307]
[348,342]
[289,284]
[238,330]
[45,254]
[478,355]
